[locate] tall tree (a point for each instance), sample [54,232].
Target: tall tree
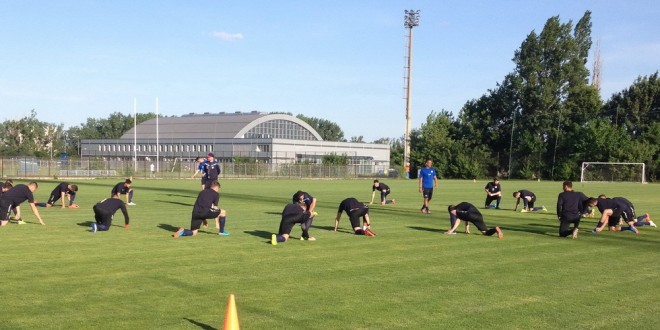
[552,79]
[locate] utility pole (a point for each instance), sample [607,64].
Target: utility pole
[410,20]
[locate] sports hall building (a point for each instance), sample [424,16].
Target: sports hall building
[260,137]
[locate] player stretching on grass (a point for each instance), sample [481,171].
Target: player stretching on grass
[206,207]
[124,188]
[200,169]
[528,199]
[469,213]
[612,211]
[355,210]
[570,207]
[428,179]
[384,191]
[12,199]
[63,191]
[291,215]
[309,201]
[105,210]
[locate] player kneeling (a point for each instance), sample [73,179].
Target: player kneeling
[355,210]
[206,207]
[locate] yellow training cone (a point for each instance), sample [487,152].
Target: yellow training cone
[231,316]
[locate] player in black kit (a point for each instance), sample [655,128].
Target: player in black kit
[355,210]
[613,210]
[105,210]
[493,193]
[570,206]
[528,199]
[468,212]
[63,190]
[292,214]
[309,201]
[384,191]
[206,207]
[124,188]
[12,199]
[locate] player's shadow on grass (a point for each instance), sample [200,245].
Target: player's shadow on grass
[85,223]
[539,231]
[177,203]
[200,324]
[178,195]
[259,233]
[168,227]
[433,230]
[274,213]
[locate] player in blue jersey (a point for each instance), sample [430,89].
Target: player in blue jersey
[200,169]
[428,179]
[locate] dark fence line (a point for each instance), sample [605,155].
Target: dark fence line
[177,169]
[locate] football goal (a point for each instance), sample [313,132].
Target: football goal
[612,172]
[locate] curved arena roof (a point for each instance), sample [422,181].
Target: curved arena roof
[221,125]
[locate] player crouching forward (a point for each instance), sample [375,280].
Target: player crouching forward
[62,191]
[105,210]
[206,207]
[291,215]
[355,210]
[468,212]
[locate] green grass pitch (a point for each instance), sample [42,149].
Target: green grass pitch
[410,276]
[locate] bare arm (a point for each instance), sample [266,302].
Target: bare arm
[373,194]
[64,198]
[312,206]
[36,213]
[337,220]
[456,223]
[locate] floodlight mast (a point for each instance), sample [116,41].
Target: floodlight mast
[410,20]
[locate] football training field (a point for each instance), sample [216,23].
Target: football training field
[410,276]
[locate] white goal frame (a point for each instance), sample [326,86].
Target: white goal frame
[586,164]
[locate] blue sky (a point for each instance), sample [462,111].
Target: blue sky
[338,60]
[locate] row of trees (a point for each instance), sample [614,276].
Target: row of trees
[29,136]
[541,121]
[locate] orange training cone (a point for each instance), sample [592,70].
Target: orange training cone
[231,316]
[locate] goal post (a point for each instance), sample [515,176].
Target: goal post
[612,172]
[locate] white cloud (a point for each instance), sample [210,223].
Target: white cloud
[227,36]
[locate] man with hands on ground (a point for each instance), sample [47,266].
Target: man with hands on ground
[105,210]
[354,209]
[469,213]
[12,199]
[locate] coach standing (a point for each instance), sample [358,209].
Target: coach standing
[212,170]
[428,179]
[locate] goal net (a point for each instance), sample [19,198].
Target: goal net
[613,172]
